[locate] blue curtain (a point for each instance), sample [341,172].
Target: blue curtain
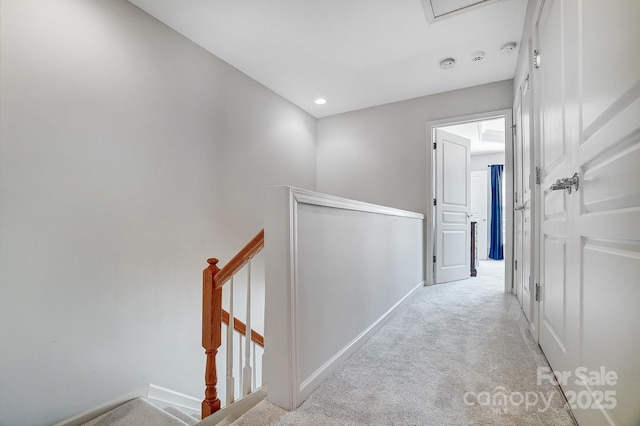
[496,250]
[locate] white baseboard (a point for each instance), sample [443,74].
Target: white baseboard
[237,408]
[99,410]
[157,395]
[313,381]
[163,397]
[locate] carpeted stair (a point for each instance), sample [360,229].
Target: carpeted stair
[139,412]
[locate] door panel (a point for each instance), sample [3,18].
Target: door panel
[553,308]
[610,48]
[518,217]
[452,211]
[523,203]
[589,94]
[602,347]
[550,30]
[526,204]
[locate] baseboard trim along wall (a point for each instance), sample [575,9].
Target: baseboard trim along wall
[99,410]
[159,396]
[313,381]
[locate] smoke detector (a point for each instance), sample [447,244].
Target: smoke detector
[508,48]
[445,64]
[477,56]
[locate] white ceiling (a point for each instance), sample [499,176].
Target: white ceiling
[486,136]
[355,53]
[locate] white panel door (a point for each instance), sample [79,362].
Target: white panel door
[522,219]
[590,250]
[479,208]
[557,327]
[607,211]
[525,204]
[452,210]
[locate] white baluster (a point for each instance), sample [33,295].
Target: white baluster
[264,361]
[240,336]
[246,373]
[230,379]
[253,348]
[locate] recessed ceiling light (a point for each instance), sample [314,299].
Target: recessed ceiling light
[445,64]
[320,101]
[508,48]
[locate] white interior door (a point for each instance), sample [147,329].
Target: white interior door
[557,326]
[518,228]
[525,204]
[522,219]
[479,208]
[452,209]
[590,238]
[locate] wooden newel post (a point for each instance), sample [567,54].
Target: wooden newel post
[211,335]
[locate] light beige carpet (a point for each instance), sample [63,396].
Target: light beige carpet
[446,358]
[136,412]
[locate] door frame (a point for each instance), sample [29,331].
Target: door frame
[507,114]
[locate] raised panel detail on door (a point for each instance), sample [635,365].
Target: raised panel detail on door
[609,54]
[550,25]
[454,167]
[610,338]
[607,177]
[454,218]
[454,245]
[553,312]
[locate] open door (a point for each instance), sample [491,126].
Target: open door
[452,207]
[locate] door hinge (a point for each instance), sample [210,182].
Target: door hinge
[434,259]
[536,59]
[435,202]
[516,265]
[516,197]
[537,292]
[537,175]
[434,145]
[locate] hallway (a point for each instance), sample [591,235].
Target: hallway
[455,354]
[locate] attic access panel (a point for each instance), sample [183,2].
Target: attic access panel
[436,10]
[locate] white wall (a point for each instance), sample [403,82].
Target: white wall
[128,156]
[480,162]
[379,154]
[336,269]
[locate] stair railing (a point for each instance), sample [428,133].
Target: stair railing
[213,315]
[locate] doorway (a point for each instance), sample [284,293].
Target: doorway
[462,194]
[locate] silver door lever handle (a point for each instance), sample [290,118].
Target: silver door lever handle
[568,184]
